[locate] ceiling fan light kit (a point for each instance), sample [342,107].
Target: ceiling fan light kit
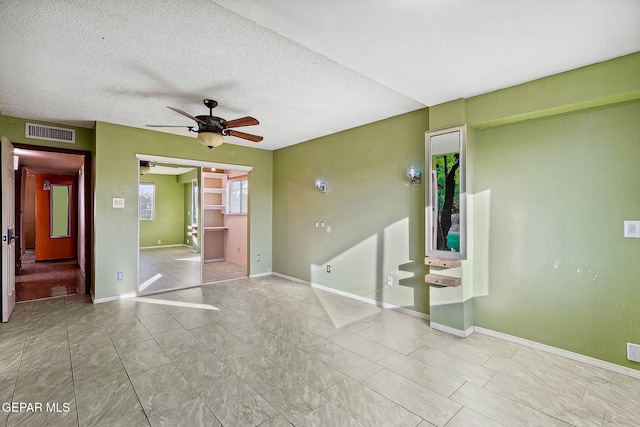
[211,129]
[210,139]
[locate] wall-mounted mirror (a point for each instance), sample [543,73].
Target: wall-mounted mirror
[446,192]
[60,196]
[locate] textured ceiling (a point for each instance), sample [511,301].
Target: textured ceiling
[305,69]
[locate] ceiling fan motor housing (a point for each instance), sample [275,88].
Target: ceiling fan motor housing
[212,124]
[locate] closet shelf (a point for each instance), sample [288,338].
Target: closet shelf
[215,228]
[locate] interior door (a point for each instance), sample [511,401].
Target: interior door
[8,228]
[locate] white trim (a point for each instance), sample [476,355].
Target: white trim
[165,246]
[355,297]
[561,352]
[114,298]
[191,162]
[453,331]
[253,276]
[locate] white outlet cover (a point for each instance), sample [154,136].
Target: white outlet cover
[633,352]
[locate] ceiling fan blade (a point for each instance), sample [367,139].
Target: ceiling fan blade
[169,126]
[243,121]
[248,136]
[187,115]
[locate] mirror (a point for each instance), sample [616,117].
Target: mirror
[60,210]
[446,193]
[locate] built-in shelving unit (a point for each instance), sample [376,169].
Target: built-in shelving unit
[441,279]
[214,204]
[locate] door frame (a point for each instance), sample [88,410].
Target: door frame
[88,207]
[201,164]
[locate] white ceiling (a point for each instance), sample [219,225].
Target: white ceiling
[305,69]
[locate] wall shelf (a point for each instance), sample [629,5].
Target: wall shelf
[442,262]
[440,280]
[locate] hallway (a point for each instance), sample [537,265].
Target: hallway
[47,279]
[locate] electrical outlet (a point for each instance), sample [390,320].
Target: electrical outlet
[328,268]
[633,352]
[389,281]
[159,242]
[120,276]
[258,257]
[187,241]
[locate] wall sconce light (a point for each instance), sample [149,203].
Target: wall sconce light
[321,185]
[414,175]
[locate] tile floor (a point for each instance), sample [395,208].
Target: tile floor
[271,352]
[178,267]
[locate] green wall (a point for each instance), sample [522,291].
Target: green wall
[116,230]
[14,129]
[551,165]
[374,220]
[560,271]
[168,224]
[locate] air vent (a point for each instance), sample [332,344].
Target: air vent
[50,133]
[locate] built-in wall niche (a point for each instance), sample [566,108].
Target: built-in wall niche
[446,192]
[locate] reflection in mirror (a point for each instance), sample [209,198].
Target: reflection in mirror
[60,210]
[195,206]
[446,213]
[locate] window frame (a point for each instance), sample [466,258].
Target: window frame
[243,202]
[153,201]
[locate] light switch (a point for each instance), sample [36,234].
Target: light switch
[118,202]
[632,229]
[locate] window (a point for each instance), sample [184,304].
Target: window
[238,194]
[146,201]
[195,204]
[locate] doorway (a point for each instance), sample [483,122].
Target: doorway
[186,236]
[52,196]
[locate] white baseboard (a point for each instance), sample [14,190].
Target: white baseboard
[253,276]
[355,297]
[560,352]
[452,331]
[114,298]
[166,246]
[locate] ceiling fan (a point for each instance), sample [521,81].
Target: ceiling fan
[211,129]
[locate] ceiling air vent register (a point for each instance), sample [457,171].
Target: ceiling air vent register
[50,133]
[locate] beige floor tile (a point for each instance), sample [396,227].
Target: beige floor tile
[429,405]
[543,400]
[368,407]
[161,388]
[328,414]
[468,418]
[293,399]
[501,409]
[464,369]
[360,345]
[142,356]
[433,378]
[192,413]
[105,399]
[345,361]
